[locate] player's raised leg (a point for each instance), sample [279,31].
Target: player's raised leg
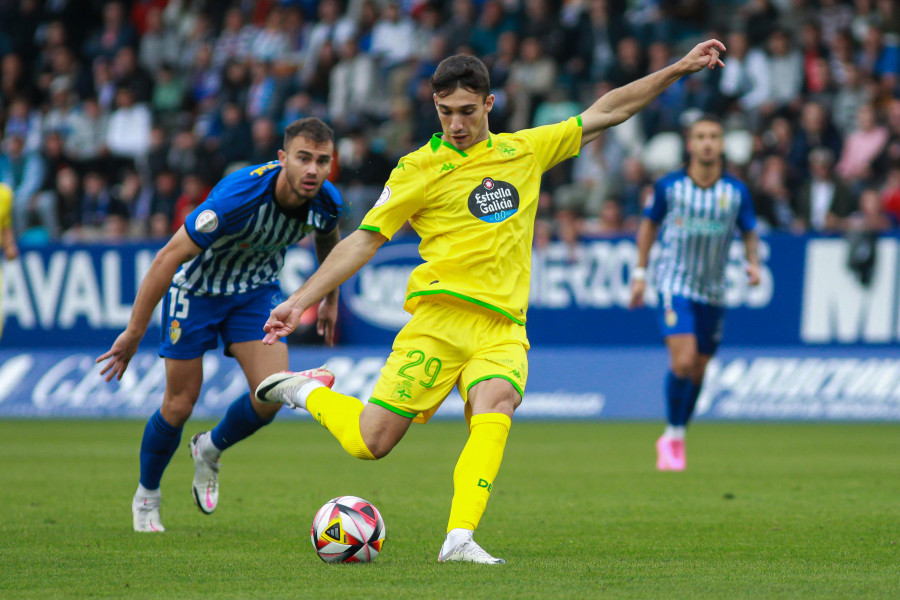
[162,435]
[366,431]
[492,403]
[243,418]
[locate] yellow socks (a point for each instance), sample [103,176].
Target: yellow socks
[339,414]
[476,469]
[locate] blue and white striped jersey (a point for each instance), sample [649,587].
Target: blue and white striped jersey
[244,232]
[698,225]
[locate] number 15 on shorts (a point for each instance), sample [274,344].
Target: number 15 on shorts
[179,303]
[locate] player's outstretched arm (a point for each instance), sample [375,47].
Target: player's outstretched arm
[328,308]
[620,104]
[347,258]
[179,249]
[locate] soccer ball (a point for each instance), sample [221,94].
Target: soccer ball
[347,529]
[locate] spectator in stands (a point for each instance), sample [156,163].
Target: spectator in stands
[271,43]
[66,201]
[848,99]
[786,72]
[128,134]
[235,39]
[14,80]
[746,82]
[266,141]
[24,122]
[531,76]
[23,172]
[193,191]
[351,92]
[162,204]
[114,33]
[815,131]
[823,202]
[772,195]
[332,29]
[593,40]
[871,216]
[890,156]
[861,148]
[158,46]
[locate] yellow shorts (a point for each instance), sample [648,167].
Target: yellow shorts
[443,346]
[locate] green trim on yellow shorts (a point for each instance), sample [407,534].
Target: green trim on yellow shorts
[393,409]
[480,379]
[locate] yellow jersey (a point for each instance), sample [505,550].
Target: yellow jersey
[474,211]
[6,203]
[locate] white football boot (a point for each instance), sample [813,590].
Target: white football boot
[465,549]
[206,476]
[284,387]
[145,513]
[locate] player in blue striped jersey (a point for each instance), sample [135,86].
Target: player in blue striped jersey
[698,210]
[217,277]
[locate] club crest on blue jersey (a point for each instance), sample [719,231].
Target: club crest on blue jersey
[174,331]
[206,222]
[494,201]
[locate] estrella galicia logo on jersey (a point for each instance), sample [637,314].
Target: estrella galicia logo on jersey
[494,201]
[206,222]
[174,331]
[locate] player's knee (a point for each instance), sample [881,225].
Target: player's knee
[683,365]
[378,447]
[176,413]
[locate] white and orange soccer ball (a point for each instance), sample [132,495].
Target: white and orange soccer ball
[347,529]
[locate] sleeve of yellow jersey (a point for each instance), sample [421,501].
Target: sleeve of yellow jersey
[553,144]
[6,200]
[402,197]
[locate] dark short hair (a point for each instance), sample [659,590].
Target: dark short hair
[461,71]
[707,118]
[311,128]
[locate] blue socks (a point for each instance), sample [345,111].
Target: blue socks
[681,398]
[157,447]
[240,421]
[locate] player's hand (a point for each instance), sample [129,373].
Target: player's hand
[11,252]
[752,274]
[120,353]
[283,319]
[704,55]
[638,287]
[328,312]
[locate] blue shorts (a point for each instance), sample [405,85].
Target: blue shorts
[192,324]
[677,314]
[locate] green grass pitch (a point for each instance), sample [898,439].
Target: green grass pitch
[578,511]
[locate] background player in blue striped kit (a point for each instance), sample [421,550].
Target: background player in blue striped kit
[698,209]
[217,277]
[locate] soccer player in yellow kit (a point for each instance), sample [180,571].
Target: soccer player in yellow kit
[471,196]
[7,237]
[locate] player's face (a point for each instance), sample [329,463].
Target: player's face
[463,117]
[705,144]
[306,164]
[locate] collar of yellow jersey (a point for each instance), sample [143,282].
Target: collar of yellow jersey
[437,141]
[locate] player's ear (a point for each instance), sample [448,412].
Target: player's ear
[282,157]
[488,103]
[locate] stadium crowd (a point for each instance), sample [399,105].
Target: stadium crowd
[117,117]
